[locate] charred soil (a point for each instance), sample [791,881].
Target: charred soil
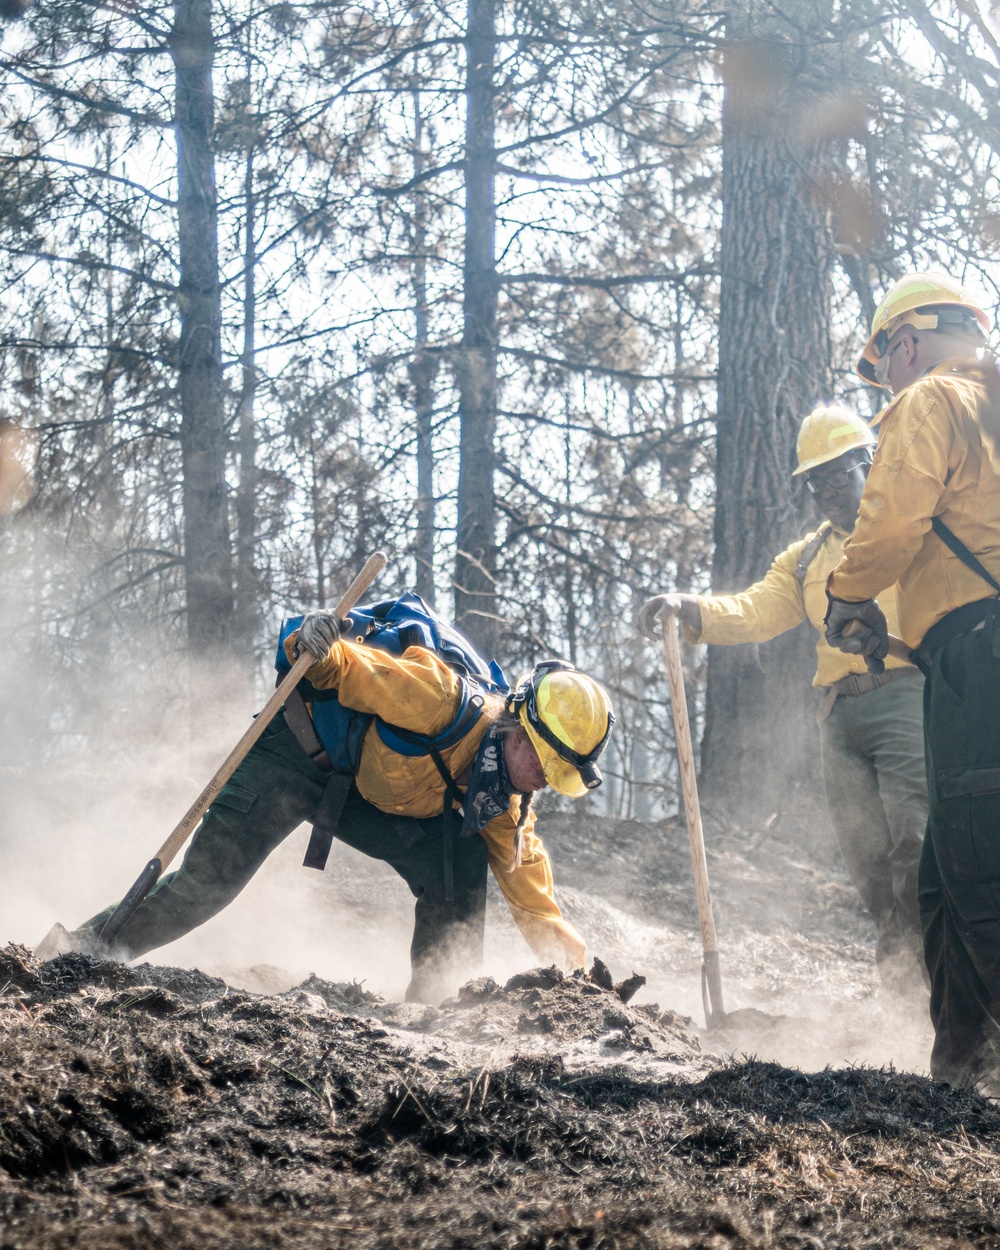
[153,1107]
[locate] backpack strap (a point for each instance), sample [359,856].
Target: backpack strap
[325,825]
[811,550]
[406,742]
[452,796]
[299,721]
[958,548]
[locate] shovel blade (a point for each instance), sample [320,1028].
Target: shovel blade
[58,941]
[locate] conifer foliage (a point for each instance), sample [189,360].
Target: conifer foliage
[532,294]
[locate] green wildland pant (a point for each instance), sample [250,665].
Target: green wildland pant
[273,791]
[876,791]
[960,866]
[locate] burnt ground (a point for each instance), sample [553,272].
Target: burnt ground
[150,1106]
[796,945]
[263,1107]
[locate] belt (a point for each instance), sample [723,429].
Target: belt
[964,620]
[858,683]
[862,683]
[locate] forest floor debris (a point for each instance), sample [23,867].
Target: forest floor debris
[153,1107]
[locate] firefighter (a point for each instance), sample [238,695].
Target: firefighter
[870,726]
[437,828]
[930,524]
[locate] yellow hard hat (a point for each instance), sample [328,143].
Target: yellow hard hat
[568,718]
[826,433]
[927,301]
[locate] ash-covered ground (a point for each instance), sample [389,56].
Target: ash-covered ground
[153,1107]
[164,1106]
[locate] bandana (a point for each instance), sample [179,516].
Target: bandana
[489,792]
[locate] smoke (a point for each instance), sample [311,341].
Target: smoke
[106,737]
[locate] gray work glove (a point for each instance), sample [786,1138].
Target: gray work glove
[317,634]
[650,617]
[867,636]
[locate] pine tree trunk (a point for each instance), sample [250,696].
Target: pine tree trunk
[207,555]
[760,746]
[247,588]
[423,368]
[476,557]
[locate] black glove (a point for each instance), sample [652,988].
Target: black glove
[868,634]
[317,634]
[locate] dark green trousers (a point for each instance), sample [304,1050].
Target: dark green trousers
[960,866]
[876,790]
[274,790]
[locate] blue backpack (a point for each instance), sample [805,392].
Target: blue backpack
[391,625]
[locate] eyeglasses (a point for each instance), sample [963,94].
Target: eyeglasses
[833,480]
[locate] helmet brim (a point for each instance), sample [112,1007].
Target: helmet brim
[865,368]
[560,774]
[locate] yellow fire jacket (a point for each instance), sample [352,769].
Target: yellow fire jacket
[419,692]
[932,460]
[780,601]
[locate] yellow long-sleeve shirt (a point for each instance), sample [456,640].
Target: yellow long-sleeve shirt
[419,692]
[780,601]
[932,460]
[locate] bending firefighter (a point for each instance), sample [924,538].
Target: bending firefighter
[437,834]
[930,524]
[870,727]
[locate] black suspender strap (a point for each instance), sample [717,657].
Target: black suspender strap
[325,824]
[958,548]
[452,796]
[811,550]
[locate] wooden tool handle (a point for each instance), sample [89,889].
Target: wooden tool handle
[189,820]
[692,809]
[897,647]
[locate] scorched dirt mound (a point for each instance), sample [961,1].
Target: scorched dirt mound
[152,1107]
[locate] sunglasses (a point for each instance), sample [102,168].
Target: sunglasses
[881,366]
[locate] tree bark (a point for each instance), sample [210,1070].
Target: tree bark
[476,557]
[207,554]
[423,368]
[760,743]
[247,589]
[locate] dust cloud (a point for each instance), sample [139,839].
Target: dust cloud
[74,838]
[100,756]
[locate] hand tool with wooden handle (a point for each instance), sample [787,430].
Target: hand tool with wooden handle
[897,647]
[711,976]
[186,825]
